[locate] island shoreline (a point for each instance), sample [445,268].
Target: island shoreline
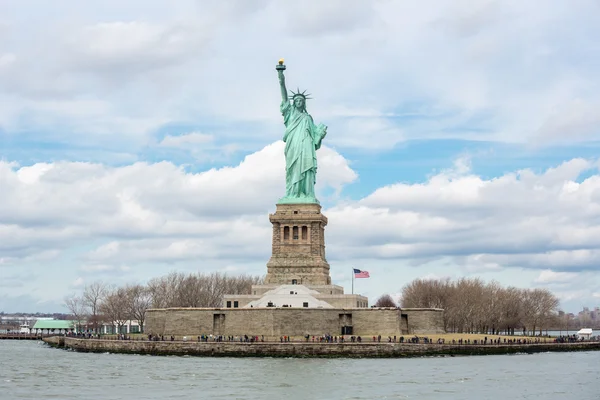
[307,349]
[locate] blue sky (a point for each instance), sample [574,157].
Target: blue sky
[141,138]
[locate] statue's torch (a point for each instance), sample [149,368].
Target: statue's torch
[280,66]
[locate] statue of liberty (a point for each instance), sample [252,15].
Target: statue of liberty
[302,139]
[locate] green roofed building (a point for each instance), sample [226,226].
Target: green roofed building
[53,326]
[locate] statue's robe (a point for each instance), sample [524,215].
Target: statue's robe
[302,138]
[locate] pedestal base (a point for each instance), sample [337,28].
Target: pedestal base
[298,255]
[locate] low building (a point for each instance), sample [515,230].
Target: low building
[125,328]
[53,327]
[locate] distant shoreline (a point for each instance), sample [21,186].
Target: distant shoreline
[307,349]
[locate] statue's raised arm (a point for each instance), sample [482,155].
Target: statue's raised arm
[280,68]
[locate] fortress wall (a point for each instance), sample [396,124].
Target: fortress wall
[182,321]
[241,322]
[275,322]
[378,321]
[155,321]
[424,320]
[299,322]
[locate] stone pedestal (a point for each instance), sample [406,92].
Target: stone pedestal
[298,255]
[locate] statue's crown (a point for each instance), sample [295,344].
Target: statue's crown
[301,94]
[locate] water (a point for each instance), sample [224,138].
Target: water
[30,369]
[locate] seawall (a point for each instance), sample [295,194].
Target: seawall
[302,349]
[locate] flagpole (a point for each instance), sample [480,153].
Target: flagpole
[352,280]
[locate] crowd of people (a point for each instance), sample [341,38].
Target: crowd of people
[373,339]
[327,338]
[573,339]
[83,335]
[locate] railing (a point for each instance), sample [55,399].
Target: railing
[25,336]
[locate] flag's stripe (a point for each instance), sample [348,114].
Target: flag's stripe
[361,274]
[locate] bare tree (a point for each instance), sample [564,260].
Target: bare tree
[550,305]
[164,290]
[539,305]
[198,290]
[385,301]
[472,306]
[116,307]
[93,295]
[491,308]
[140,299]
[192,292]
[511,305]
[430,293]
[77,308]
[426,293]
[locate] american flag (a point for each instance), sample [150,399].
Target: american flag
[361,274]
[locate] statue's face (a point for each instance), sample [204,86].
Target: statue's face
[299,102]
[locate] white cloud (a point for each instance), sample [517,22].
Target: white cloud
[104,268]
[188,139]
[528,220]
[118,47]
[549,276]
[507,71]
[158,211]
[575,119]
[161,215]
[331,17]
[432,277]
[353,132]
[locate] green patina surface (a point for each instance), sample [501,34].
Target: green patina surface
[302,139]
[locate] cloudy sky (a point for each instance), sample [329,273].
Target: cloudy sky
[143,137]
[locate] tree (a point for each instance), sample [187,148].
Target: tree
[385,301]
[430,293]
[426,293]
[116,307]
[76,306]
[164,290]
[472,306]
[467,301]
[511,305]
[198,290]
[140,299]
[550,305]
[491,307]
[538,306]
[93,295]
